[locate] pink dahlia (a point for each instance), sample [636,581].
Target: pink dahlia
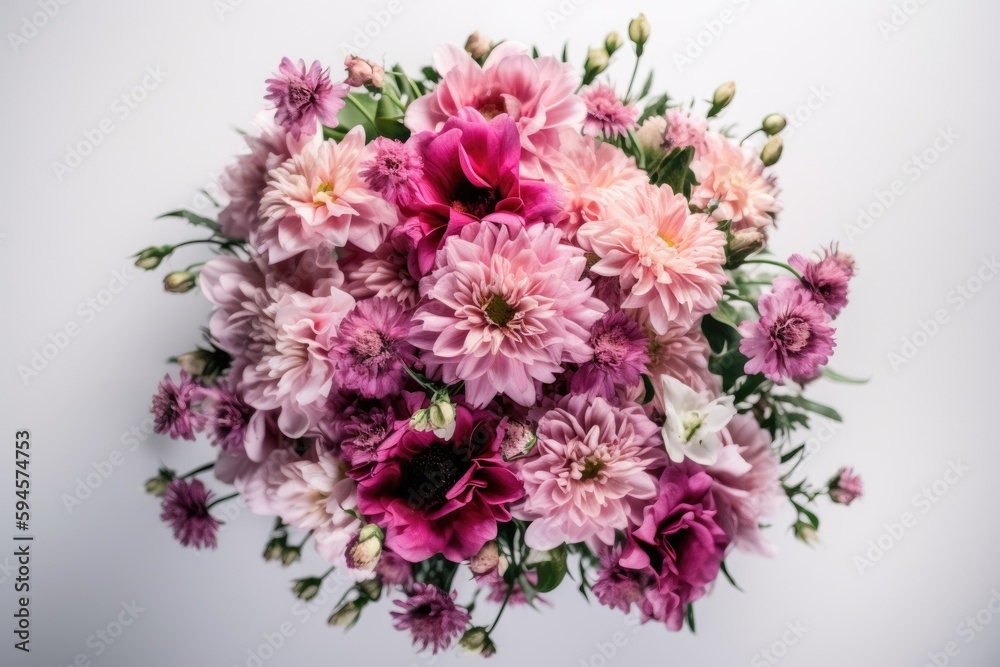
[606,114]
[185,508]
[392,168]
[258,484]
[591,473]
[384,273]
[667,261]
[734,178]
[620,358]
[318,199]
[537,93]
[301,97]
[792,339]
[472,173]
[685,129]
[433,495]
[431,616]
[683,355]
[176,408]
[846,487]
[825,279]
[371,351]
[505,308]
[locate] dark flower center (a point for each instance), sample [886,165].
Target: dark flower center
[431,474]
[473,201]
[492,105]
[610,348]
[592,467]
[791,335]
[300,95]
[370,346]
[499,311]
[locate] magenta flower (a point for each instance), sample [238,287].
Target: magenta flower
[176,408]
[393,569]
[302,97]
[793,337]
[826,279]
[433,618]
[393,168]
[441,496]
[621,587]
[185,509]
[471,173]
[365,428]
[606,114]
[371,351]
[228,419]
[846,487]
[621,353]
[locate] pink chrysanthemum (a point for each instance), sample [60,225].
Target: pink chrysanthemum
[682,354]
[301,97]
[685,129]
[504,310]
[620,358]
[384,273]
[431,616]
[668,261]
[176,408]
[606,114]
[590,473]
[371,353]
[318,199]
[792,339]
[826,279]
[185,509]
[392,168]
[734,178]
[846,487]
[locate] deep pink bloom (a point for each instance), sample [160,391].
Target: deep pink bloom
[176,408]
[846,487]
[441,496]
[228,420]
[505,309]
[606,114]
[471,173]
[621,354]
[185,508]
[793,337]
[303,97]
[392,168]
[431,616]
[826,279]
[371,352]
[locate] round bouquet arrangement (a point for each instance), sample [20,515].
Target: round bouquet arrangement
[496,327]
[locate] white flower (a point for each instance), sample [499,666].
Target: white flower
[694,422]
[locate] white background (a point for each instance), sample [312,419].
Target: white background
[885,96]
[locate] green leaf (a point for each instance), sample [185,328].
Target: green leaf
[387,120]
[791,455]
[729,365]
[729,577]
[646,87]
[552,571]
[689,617]
[837,377]
[194,219]
[749,386]
[657,107]
[650,391]
[565,52]
[811,406]
[431,74]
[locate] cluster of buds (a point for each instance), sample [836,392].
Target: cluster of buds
[362,73]
[308,588]
[476,641]
[438,417]
[772,125]
[278,549]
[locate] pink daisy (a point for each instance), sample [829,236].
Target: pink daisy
[301,97]
[606,114]
[734,178]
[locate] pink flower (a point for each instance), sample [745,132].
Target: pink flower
[365,427]
[393,168]
[228,417]
[683,355]
[304,97]
[505,309]
[846,487]
[176,408]
[619,360]
[472,173]
[685,129]
[185,508]
[384,273]
[621,587]
[371,352]
[258,484]
[537,93]
[825,279]
[792,339]
[747,486]
[589,473]
[431,616]
[606,114]
[441,496]
[668,262]
[318,199]
[734,177]
[361,72]
[393,569]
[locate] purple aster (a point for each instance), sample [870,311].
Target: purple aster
[228,419]
[433,618]
[302,97]
[846,487]
[793,337]
[393,169]
[826,279]
[185,508]
[621,354]
[175,408]
[371,353]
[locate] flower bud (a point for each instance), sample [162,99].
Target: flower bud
[371,588]
[291,555]
[773,123]
[772,151]
[806,533]
[365,549]
[518,440]
[194,362]
[597,61]
[157,486]
[151,257]
[638,31]
[744,243]
[179,282]
[652,134]
[487,560]
[421,420]
[478,45]
[612,43]
[441,416]
[476,641]
[723,95]
[363,73]
[846,487]
[274,549]
[307,589]
[346,615]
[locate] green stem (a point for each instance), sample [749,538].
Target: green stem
[394,99]
[222,500]
[360,107]
[635,72]
[759,129]
[308,535]
[773,262]
[197,471]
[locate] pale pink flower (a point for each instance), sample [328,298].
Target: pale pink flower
[384,273]
[669,262]
[735,179]
[258,484]
[505,309]
[846,487]
[685,129]
[590,473]
[606,114]
[682,354]
[318,199]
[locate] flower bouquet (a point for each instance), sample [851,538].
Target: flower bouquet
[497,326]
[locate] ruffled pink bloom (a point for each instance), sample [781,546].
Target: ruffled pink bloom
[620,358]
[384,273]
[606,114]
[258,483]
[371,352]
[825,278]
[365,426]
[685,129]
[431,616]
[747,486]
[318,199]
[176,408]
[228,283]
[668,262]
[590,473]
[441,496]
[393,569]
[302,97]
[621,587]
[505,309]
[538,93]
[472,173]
[846,487]
[392,168]
[734,178]
[683,355]
[185,509]
[792,339]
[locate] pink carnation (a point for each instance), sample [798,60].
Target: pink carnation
[621,355]
[384,273]
[734,177]
[371,351]
[846,487]
[825,279]
[606,114]
[685,129]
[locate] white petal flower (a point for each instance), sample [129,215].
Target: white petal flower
[694,422]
